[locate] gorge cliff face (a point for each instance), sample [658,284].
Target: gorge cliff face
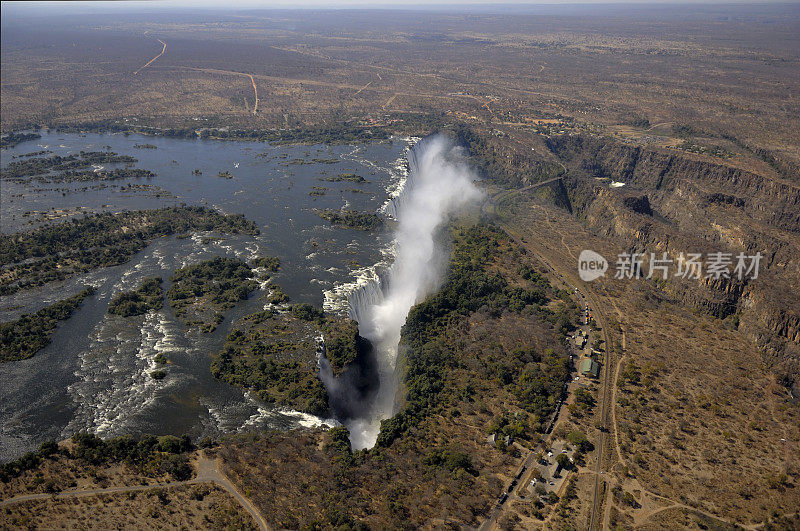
[676,202]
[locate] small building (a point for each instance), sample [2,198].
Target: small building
[580,341]
[590,368]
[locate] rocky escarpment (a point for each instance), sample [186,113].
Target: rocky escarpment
[770,200]
[674,203]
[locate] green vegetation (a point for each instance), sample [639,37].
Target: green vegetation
[33,154]
[270,263]
[28,461]
[43,165]
[450,460]
[206,289]
[330,134]
[306,312]
[274,355]
[536,381]
[158,374]
[12,139]
[24,337]
[345,177]
[629,375]
[335,133]
[99,175]
[540,384]
[342,343]
[149,455]
[584,402]
[225,175]
[145,146]
[62,250]
[277,295]
[580,441]
[352,219]
[197,172]
[149,296]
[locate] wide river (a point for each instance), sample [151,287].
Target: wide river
[95,373]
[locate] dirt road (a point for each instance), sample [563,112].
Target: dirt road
[207,472]
[564,267]
[255,91]
[153,60]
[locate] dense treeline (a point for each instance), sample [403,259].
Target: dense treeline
[351,219]
[471,285]
[345,177]
[59,251]
[226,279]
[12,139]
[211,286]
[149,296]
[30,333]
[270,263]
[149,455]
[275,381]
[33,154]
[274,356]
[338,133]
[42,165]
[333,134]
[343,344]
[98,175]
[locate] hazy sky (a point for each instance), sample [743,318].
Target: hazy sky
[105,6]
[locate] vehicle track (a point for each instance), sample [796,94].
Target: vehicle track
[231,73]
[153,60]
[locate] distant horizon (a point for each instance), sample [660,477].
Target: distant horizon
[103,6]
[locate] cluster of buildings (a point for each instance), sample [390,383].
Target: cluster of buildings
[588,367]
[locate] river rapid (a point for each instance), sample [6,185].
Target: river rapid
[94,375]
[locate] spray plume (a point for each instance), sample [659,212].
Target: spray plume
[439,184]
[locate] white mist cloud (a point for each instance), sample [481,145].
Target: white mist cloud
[440,184]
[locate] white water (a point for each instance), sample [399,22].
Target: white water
[439,184]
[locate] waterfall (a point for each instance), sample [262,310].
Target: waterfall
[439,183]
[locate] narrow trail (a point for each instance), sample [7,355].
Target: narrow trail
[390,100]
[207,472]
[153,60]
[231,73]
[362,88]
[255,91]
[331,84]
